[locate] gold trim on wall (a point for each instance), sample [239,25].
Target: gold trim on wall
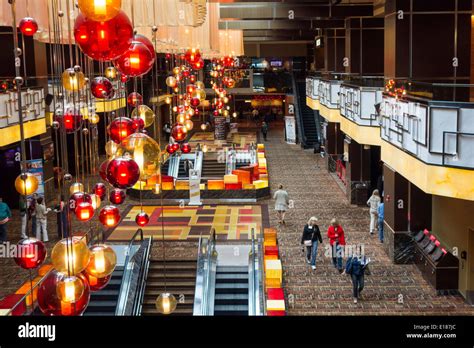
[435,180]
[10,135]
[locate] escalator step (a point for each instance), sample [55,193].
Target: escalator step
[225,297]
[232,276]
[230,269]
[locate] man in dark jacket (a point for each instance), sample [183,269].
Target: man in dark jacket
[310,239]
[356,266]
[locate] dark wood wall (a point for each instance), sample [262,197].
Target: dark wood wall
[423,36]
[334,41]
[365,46]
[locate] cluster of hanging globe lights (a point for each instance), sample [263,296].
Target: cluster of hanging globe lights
[103,32]
[187,94]
[223,78]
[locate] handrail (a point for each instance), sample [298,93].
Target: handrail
[140,294]
[204,294]
[123,292]
[261,276]
[256,277]
[251,291]
[301,135]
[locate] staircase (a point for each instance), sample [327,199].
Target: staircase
[180,281]
[104,302]
[231,292]
[165,167]
[307,117]
[212,169]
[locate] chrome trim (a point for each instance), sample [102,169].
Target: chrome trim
[205,276]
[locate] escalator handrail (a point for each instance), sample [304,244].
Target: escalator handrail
[204,294]
[298,112]
[256,277]
[125,284]
[140,294]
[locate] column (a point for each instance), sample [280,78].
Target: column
[397,239]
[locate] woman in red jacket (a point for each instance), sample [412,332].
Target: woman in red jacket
[337,241]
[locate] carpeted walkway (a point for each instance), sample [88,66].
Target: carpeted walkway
[390,290]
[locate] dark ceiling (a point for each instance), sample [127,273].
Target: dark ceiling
[296,20]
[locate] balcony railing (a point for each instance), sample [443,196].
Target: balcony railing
[428,120]
[33,106]
[436,132]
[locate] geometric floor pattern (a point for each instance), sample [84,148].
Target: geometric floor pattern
[190,222]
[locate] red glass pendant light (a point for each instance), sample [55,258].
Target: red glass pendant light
[136,61]
[134,99]
[31,253]
[120,128]
[123,172]
[109,216]
[100,189]
[117,196]
[103,40]
[102,88]
[178,132]
[84,211]
[142,219]
[28,26]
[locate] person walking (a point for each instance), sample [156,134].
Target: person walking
[41,220]
[188,166]
[310,239]
[32,212]
[167,130]
[255,115]
[23,217]
[373,203]
[61,218]
[356,267]
[264,130]
[337,241]
[380,215]
[5,216]
[281,203]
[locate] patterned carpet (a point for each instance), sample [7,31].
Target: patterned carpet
[188,223]
[390,290]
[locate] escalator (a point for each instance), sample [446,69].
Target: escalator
[104,302]
[307,117]
[213,169]
[180,281]
[229,278]
[231,295]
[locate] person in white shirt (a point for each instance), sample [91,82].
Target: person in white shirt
[41,220]
[281,203]
[373,203]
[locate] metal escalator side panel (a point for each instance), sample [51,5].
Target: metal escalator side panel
[205,279]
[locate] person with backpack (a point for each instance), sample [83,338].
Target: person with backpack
[356,267]
[310,239]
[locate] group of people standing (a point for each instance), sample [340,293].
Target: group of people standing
[35,212]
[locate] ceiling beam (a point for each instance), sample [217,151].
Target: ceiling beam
[281,24]
[274,10]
